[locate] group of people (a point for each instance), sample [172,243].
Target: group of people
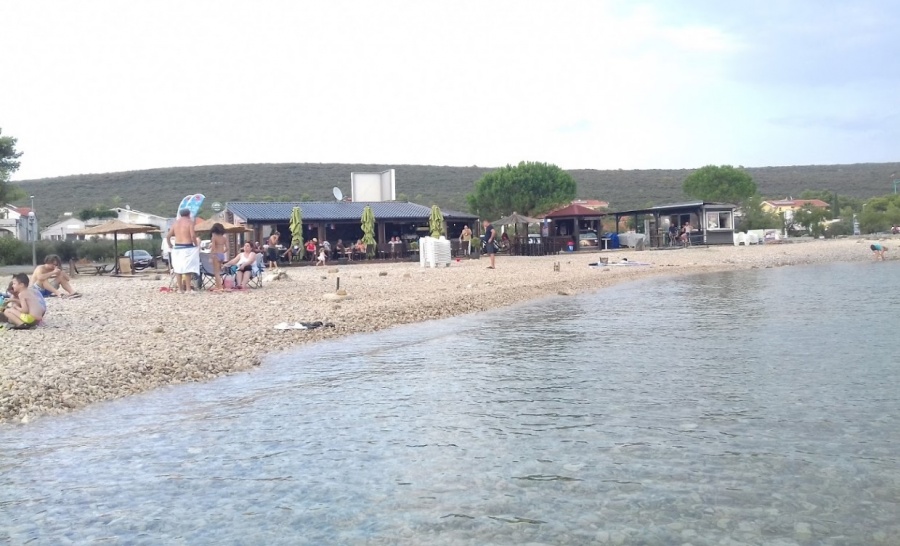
[681,235]
[23,304]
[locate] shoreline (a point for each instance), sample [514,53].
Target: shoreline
[125,336]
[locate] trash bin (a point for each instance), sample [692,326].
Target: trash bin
[571,246]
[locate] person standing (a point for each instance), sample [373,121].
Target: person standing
[272,250]
[490,237]
[465,240]
[185,250]
[218,247]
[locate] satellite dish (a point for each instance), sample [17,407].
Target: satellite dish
[337,193]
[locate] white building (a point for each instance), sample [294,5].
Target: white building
[65,230]
[131,216]
[14,222]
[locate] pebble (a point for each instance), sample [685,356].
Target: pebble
[125,336]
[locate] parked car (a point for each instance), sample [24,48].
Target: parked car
[588,238]
[142,259]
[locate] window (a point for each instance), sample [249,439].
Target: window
[719,220]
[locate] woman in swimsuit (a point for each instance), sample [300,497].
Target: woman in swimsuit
[218,247]
[244,261]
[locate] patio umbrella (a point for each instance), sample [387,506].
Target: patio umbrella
[436,222]
[367,221]
[116,227]
[515,219]
[297,230]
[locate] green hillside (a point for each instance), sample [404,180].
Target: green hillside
[159,190]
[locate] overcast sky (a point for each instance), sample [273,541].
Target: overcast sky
[104,86]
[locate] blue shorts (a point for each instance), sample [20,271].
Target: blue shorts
[44,292]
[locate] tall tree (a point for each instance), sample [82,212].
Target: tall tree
[756,218]
[8,165]
[723,184]
[528,188]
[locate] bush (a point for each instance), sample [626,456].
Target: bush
[16,252]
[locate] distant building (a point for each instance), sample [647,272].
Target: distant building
[64,230]
[789,206]
[14,222]
[594,204]
[131,216]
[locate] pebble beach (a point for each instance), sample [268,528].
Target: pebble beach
[126,335]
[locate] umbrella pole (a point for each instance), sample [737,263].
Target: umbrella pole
[131,257]
[116,251]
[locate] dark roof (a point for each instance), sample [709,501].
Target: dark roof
[574,211]
[335,211]
[674,207]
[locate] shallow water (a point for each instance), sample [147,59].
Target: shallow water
[755,407]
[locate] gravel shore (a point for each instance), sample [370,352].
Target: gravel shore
[125,336]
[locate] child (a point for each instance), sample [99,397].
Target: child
[28,308]
[878,251]
[322,256]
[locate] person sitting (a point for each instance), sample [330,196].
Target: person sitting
[327,246]
[311,247]
[28,307]
[245,261]
[673,234]
[504,241]
[340,249]
[361,249]
[49,277]
[686,233]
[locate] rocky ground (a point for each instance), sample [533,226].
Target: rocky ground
[127,336]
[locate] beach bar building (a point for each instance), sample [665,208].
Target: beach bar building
[330,221]
[711,223]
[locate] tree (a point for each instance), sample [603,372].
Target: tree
[723,184]
[8,165]
[811,218]
[529,188]
[756,218]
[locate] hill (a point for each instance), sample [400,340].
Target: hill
[159,190]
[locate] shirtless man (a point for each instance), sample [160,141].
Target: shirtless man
[185,255]
[272,251]
[49,277]
[28,307]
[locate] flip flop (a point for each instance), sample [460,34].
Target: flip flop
[75,295]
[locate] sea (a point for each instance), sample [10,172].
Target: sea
[748,407]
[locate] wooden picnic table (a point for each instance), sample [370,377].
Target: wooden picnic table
[98,268]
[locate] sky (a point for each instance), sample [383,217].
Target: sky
[105,86]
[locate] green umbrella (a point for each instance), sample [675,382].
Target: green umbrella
[297,231]
[368,228]
[436,222]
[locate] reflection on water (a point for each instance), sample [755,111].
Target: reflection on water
[753,407]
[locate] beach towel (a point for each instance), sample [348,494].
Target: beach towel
[185,259]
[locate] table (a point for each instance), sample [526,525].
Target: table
[605,242]
[99,268]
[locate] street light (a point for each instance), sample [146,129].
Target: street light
[32,219]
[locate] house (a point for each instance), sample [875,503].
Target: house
[594,204]
[131,216]
[64,230]
[14,222]
[341,220]
[787,207]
